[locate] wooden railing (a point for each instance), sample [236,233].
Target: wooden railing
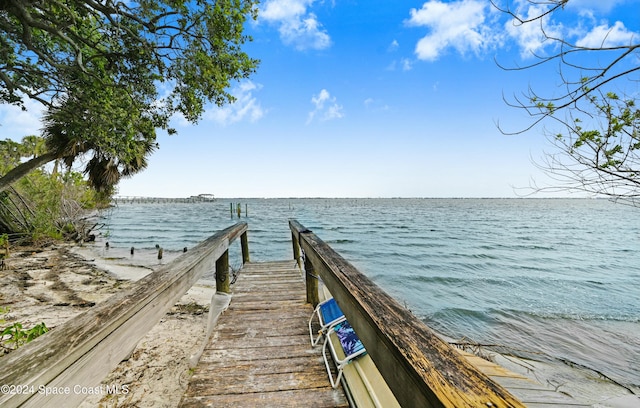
[62,367]
[421,369]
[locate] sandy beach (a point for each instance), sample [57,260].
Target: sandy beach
[55,283]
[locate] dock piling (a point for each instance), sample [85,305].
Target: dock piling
[311,280]
[223,282]
[244,244]
[296,250]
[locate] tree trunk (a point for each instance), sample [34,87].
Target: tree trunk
[24,168]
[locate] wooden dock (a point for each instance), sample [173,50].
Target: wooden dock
[259,354]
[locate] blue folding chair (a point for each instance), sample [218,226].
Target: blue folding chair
[327,313]
[351,346]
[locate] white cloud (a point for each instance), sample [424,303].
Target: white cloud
[605,36]
[325,107]
[600,6]
[298,27]
[16,123]
[406,64]
[375,105]
[246,106]
[278,10]
[533,37]
[529,36]
[460,25]
[474,27]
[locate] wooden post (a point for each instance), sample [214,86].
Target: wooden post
[296,249]
[246,210]
[231,209]
[244,244]
[222,273]
[312,283]
[239,210]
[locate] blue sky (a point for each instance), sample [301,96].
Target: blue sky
[373,99]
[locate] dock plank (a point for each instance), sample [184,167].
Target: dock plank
[312,398]
[259,353]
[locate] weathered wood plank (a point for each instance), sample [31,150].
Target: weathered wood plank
[262,353]
[289,364]
[256,271]
[252,318]
[267,308]
[251,314]
[259,353]
[312,398]
[257,298]
[260,330]
[263,342]
[271,267]
[278,286]
[274,284]
[245,382]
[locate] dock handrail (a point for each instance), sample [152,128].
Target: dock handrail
[62,367]
[420,369]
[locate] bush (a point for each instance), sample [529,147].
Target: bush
[14,336]
[47,203]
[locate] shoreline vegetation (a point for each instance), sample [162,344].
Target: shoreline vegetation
[54,283]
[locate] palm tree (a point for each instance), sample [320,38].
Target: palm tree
[33,146]
[108,124]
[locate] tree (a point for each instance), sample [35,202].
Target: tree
[598,149]
[581,72]
[604,157]
[110,73]
[44,204]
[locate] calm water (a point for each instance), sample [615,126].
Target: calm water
[558,278]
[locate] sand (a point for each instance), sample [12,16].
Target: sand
[55,283]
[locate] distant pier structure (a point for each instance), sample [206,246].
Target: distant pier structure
[200,198]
